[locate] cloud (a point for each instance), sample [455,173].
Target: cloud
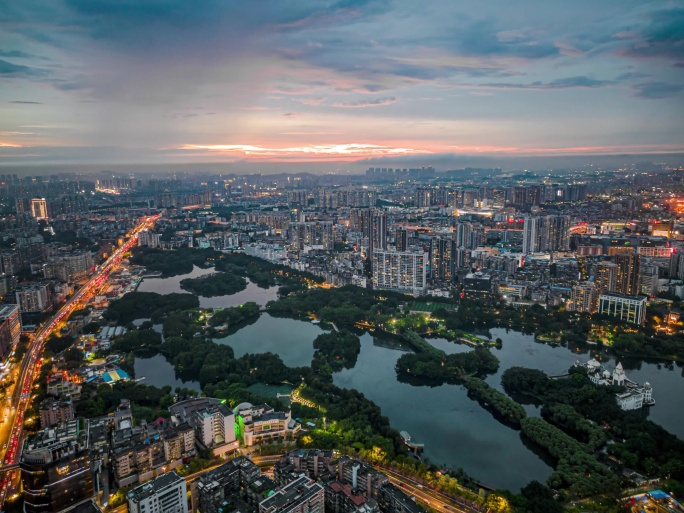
[631,75]
[291,114]
[657,90]
[484,38]
[359,104]
[347,151]
[311,101]
[663,37]
[560,83]
[23,102]
[17,70]
[18,54]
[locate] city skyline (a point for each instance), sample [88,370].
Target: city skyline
[323,81]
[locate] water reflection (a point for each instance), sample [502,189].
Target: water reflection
[171,285]
[158,372]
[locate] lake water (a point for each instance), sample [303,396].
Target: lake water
[456,431]
[289,338]
[158,372]
[170,285]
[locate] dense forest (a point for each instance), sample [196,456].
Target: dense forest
[583,410]
[439,368]
[335,351]
[216,284]
[172,263]
[140,305]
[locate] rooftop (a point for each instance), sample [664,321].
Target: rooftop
[152,487]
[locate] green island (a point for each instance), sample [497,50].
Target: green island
[582,429]
[335,351]
[217,284]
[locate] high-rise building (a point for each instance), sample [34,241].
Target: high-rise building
[606,277]
[39,208]
[55,469]
[556,235]
[626,308]
[403,271]
[627,279]
[584,298]
[548,233]
[401,239]
[10,329]
[312,233]
[215,426]
[33,297]
[23,205]
[148,239]
[532,235]
[441,258]
[424,197]
[375,228]
[165,494]
[462,233]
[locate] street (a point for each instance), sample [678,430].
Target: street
[11,430]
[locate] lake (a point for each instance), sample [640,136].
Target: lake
[158,372]
[458,432]
[170,285]
[291,339]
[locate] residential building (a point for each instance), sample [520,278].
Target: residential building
[215,428]
[302,495]
[314,234]
[584,298]
[605,277]
[627,278]
[212,491]
[402,271]
[441,258]
[33,297]
[626,308]
[401,239]
[165,494]
[55,411]
[149,239]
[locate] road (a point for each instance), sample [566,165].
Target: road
[432,498]
[32,361]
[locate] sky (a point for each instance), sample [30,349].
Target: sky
[335,82]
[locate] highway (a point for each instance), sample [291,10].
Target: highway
[32,361]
